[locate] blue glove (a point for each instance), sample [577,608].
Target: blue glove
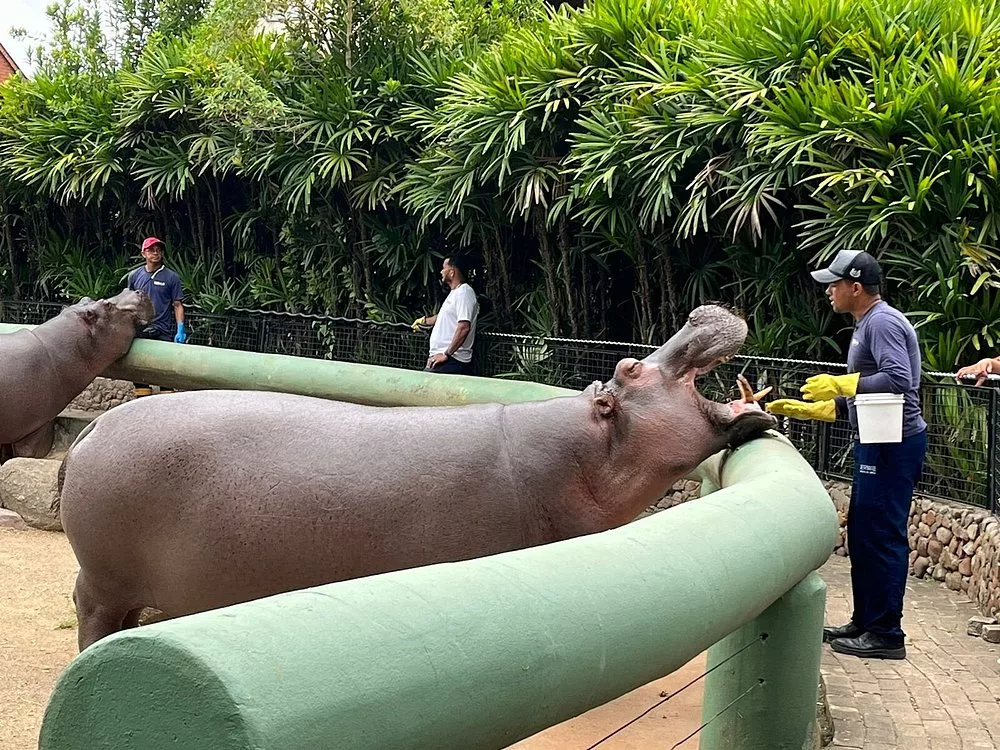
[181,337]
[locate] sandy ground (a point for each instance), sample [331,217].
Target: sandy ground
[38,640]
[37,628]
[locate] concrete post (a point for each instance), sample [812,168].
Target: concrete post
[763,697]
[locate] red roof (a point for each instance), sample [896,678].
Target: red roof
[7,65]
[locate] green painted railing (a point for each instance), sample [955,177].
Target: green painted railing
[482,653]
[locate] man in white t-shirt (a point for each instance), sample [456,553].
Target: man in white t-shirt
[454,329]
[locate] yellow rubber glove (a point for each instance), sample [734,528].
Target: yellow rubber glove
[823,411]
[824,387]
[418,322]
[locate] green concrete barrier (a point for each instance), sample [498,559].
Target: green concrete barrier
[482,653]
[193,367]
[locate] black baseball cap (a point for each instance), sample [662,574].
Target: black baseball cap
[853,265]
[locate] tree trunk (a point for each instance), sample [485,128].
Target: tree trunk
[567,274]
[668,296]
[548,269]
[8,238]
[503,268]
[645,317]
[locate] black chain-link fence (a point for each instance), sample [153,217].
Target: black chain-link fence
[963,453]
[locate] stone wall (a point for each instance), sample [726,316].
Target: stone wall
[957,545]
[103,394]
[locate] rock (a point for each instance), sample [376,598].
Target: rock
[991,633]
[920,567]
[930,518]
[940,572]
[973,531]
[953,581]
[926,504]
[10,520]
[924,529]
[955,544]
[934,549]
[948,559]
[965,567]
[922,547]
[913,557]
[969,548]
[841,552]
[944,535]
[28,487]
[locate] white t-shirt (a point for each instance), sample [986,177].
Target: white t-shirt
[460,304]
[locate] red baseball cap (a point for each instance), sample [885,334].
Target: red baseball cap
[150,241]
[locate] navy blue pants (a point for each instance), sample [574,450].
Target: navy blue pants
[451,366]
[877,521]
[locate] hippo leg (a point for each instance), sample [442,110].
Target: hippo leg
[97,614]
[36,444]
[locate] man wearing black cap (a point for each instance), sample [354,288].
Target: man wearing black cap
[884,358]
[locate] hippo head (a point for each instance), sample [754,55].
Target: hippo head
[655,399]
[113,322]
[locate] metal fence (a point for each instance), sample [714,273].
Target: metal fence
[963,454]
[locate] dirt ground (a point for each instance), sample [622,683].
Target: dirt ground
[37,628]
[38,640]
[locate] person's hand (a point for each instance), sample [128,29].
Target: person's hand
[437,359]
[822,411]
[824,387]
[181,336]
[418,322]
[980,370]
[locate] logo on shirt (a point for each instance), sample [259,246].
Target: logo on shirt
[867,469]
[160,283]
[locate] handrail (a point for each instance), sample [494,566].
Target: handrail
[482,653]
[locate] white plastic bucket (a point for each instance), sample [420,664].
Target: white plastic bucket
[880,417]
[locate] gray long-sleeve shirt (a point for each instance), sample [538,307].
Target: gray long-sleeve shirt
[884,350]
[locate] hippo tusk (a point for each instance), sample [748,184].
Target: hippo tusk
[746,391]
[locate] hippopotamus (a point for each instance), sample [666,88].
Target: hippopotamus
[204,499]
[43,369]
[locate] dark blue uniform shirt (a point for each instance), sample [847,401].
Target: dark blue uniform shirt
[163,287]
[884,350]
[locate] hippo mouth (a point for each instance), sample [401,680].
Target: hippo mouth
[747,405]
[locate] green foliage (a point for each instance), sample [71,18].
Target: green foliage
[612,166]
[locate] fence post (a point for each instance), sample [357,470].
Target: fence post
[993,424]
[765,697]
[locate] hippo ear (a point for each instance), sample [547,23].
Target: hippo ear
[89,316]
[605,404]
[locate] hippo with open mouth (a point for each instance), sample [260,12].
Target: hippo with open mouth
[204,499]
[42,370]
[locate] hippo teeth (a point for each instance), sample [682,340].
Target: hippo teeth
[746,391]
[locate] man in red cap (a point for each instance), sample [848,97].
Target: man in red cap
[163,286]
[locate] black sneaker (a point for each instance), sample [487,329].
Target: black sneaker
[850,630]
[869,646]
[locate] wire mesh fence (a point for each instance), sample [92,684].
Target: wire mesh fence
[963,450]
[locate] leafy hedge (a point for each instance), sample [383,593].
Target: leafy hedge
[611,166]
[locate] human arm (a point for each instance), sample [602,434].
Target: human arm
[893,374]
[892,359]
[428,321]
[980,370]
[181,336]
[461,333]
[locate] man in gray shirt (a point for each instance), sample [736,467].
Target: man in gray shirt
[884,358]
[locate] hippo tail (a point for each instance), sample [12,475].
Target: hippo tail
[61,476]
